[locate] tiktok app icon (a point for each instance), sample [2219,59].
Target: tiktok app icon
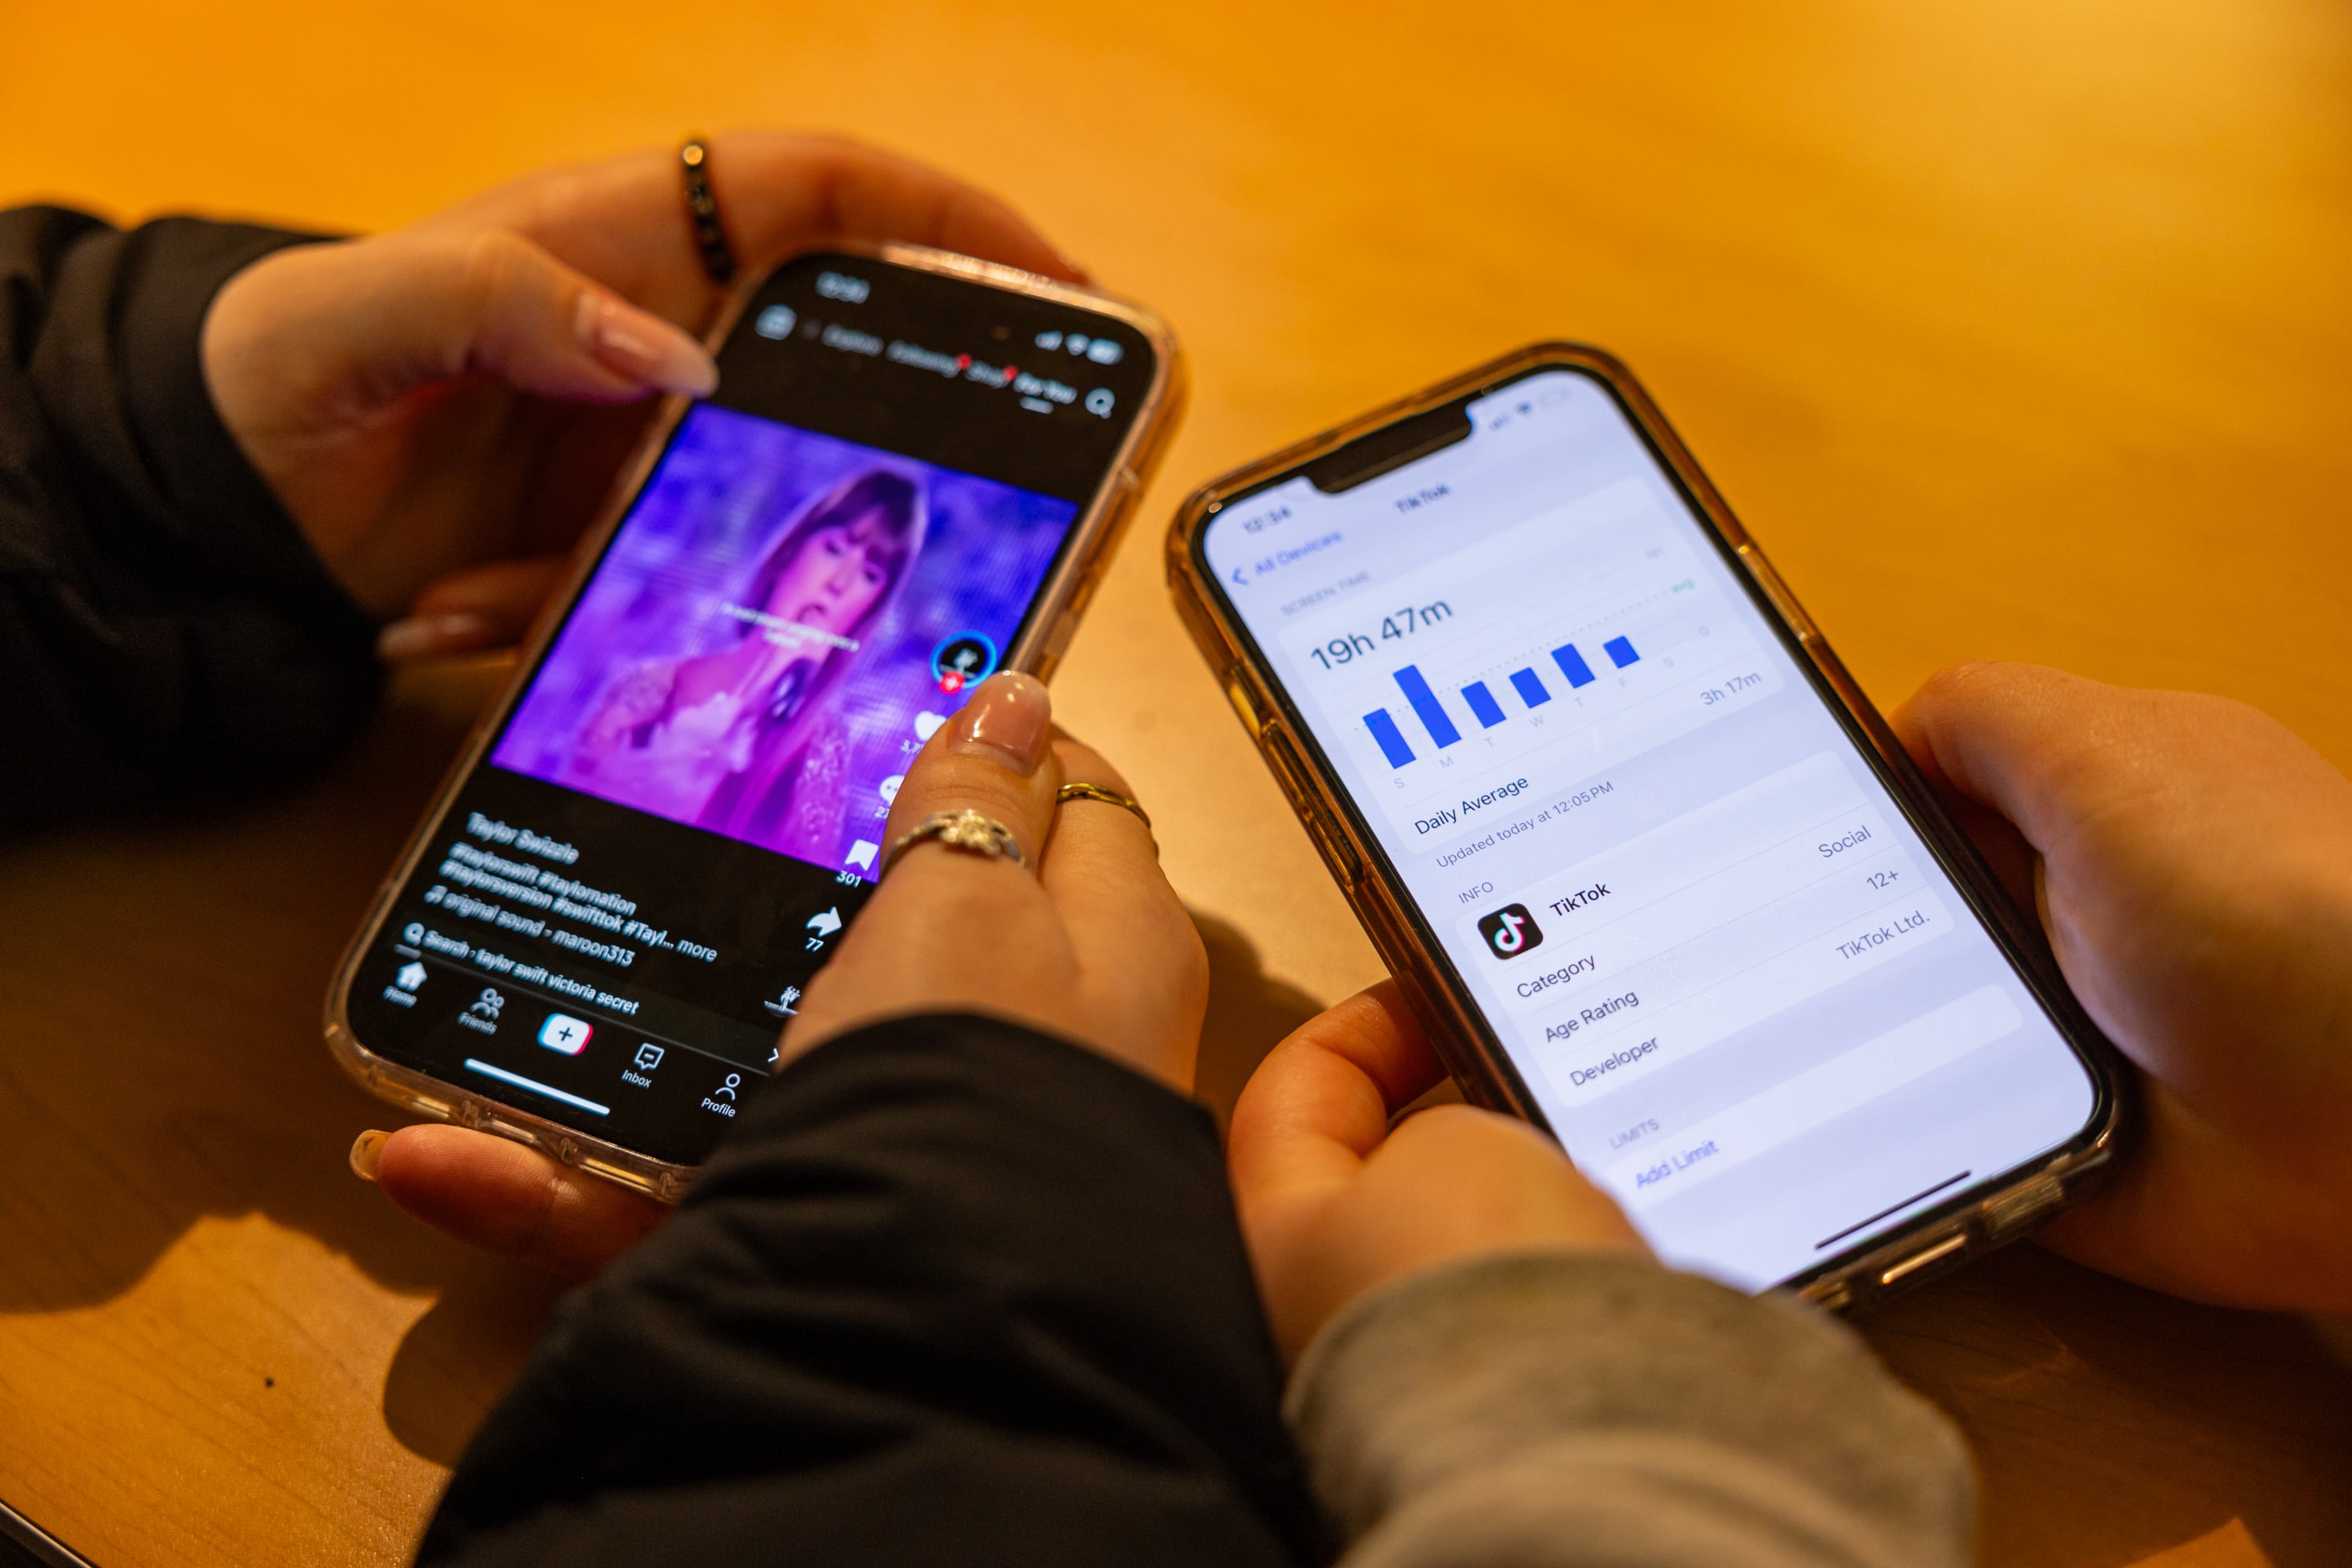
[1510,931]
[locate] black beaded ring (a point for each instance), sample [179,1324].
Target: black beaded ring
[702,211]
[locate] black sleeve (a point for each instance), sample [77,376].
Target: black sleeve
[956,1292]
[166,630]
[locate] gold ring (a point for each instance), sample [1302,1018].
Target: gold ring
[1069,792]
[966,830]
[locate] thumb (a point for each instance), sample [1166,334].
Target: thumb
[473,608]
[1323,1101]
[356,326]
[494,303]
[506,1199]
[1995,740]
[2027,741]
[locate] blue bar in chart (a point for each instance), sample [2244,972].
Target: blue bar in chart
[1482,702]
[1571,664]
[1424,705]
[1390,738]
[1620,651]
[1531,690]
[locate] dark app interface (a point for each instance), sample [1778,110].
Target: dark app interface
[1738,982]
[685,808]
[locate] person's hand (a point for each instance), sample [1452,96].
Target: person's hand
[1093,945]
[506,1199]
[2192,860]
[442,407]
[1335,1200]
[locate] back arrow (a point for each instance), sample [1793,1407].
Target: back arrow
[826,923]
[1239,582]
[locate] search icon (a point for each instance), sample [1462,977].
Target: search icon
[1099,402]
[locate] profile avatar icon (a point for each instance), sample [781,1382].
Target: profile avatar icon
[964,660]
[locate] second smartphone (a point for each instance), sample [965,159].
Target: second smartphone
[910,476]
[1654,872]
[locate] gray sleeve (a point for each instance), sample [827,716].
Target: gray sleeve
[1545,1410]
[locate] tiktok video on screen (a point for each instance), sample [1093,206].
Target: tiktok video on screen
[777,628]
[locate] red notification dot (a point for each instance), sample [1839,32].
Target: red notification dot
[952,681]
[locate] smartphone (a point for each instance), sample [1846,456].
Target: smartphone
[1655,874]
[911,476]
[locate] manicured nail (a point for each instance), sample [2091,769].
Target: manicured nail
[1010,719]
[644,347]
[430,636]
[366,1150]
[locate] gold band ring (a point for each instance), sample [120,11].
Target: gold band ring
[1127,802]
[967,831]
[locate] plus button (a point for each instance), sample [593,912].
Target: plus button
[565,1034]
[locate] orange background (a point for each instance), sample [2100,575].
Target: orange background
[2019,329]
[2018,333]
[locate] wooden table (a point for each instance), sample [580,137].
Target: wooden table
[2017,332]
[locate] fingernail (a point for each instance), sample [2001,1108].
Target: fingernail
[429,636]
[366,1150]
[1010,719]
[644,348]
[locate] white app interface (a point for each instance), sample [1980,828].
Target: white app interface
[1745,995]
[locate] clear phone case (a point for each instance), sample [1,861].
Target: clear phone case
[1941,1239]
[1060,602]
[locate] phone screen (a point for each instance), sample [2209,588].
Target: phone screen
[1736,980]
[683,809]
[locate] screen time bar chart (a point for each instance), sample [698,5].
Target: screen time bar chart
[1439,724]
